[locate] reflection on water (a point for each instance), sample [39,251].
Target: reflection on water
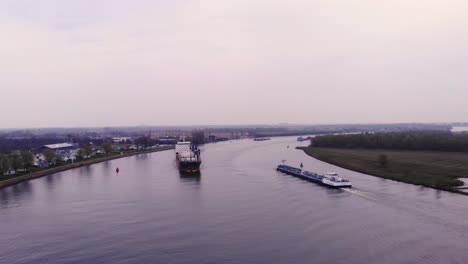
[52,180]
[143,156]
[106,164]
[190,177]
[16,194]
[86,174]
[86,170]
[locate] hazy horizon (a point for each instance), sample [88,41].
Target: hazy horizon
[167,63]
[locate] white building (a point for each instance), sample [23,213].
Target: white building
[121,139]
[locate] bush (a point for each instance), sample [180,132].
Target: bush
[383,160]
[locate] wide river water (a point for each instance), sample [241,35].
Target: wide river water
[240,210]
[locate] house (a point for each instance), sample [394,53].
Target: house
[40,161]
[99,151]
[9,172]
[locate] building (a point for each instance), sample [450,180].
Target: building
[167,141]
[40,161]
[60,146]
[122,140]
[64,151]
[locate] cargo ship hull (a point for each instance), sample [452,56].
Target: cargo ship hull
[189,166]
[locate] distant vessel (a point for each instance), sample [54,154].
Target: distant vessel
[261,138]
[330,179]
[188,157]
[300,139]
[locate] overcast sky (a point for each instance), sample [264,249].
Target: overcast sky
[183,62]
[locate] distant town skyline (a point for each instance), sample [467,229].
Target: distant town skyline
[183,62]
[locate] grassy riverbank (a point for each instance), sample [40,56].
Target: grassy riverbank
[439,170]
[40,172]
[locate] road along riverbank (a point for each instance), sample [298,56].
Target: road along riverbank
[34,175]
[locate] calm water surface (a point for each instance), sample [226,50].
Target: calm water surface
[240,210]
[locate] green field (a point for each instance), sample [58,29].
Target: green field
[439,170]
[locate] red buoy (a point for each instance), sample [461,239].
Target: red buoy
[117,170]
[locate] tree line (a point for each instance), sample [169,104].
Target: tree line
[412,140]
[18,160]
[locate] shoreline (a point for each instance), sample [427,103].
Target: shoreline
[39,174]
[459,190]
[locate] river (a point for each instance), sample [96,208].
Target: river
[240,210]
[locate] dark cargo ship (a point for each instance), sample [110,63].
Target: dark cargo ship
[188,157]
